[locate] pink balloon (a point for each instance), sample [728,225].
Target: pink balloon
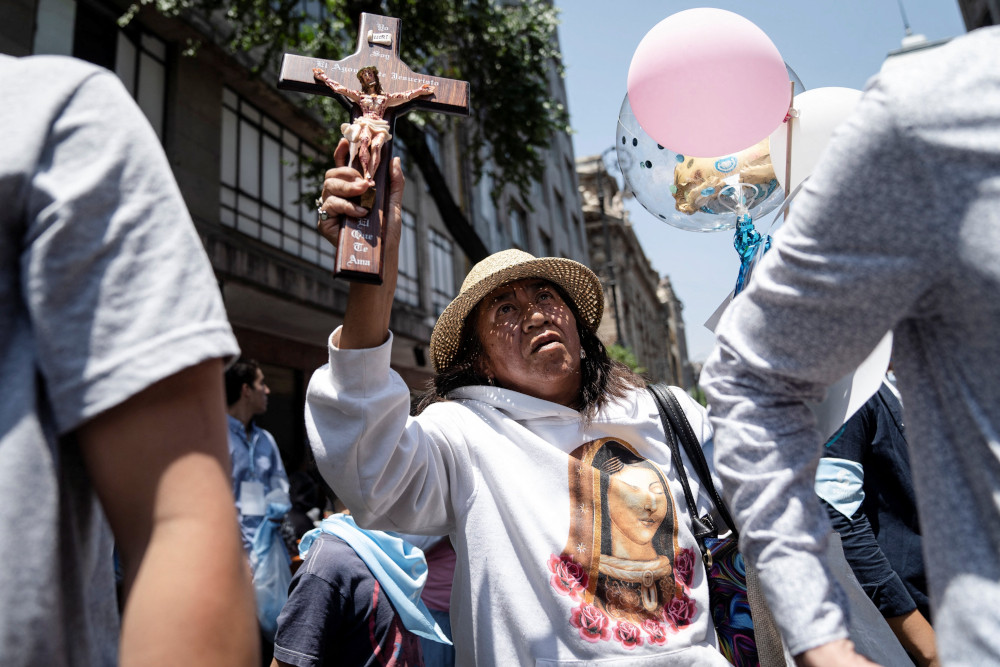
[707,82]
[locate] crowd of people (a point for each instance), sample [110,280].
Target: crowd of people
[529,509]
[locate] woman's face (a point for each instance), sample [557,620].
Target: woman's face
[530,343]
[637,503]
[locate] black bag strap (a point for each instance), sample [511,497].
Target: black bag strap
[702,527]
[677,427]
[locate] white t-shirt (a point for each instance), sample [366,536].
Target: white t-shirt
[104,290]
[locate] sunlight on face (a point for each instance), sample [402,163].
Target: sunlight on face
[637,503]
[530,341]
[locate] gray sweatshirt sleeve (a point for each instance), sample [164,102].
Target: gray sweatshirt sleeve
[847,265]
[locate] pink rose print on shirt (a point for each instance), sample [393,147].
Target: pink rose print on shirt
[680,611]
[628,634]
[684,567]
[657,633]
[592,622]
[568,576]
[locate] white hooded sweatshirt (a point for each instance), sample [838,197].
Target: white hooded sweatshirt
[573,540]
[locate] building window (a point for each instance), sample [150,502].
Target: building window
[400,150]
[518,227]
[546,243]
[263,195]
[408,282]
[574,233]
[433,144]
[442,271]
[487,210]
[141,64]
[561,214]
[137,57]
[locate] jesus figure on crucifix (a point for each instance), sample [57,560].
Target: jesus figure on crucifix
[370,130]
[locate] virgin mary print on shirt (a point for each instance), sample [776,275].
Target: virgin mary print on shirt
[621,561]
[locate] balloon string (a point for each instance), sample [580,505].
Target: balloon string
[792,113]
[747,240]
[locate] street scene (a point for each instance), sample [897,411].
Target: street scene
[530,332]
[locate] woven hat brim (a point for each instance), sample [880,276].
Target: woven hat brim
[579,283]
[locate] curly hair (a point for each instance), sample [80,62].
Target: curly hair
[602,378]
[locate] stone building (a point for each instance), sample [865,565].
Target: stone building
[235,143]
[641,311]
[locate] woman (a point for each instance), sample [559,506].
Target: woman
[542,459]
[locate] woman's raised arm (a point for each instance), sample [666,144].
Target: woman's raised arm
[366,319]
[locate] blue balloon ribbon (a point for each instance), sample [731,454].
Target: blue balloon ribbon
[747,240]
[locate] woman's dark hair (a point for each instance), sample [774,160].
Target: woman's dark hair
[602,378]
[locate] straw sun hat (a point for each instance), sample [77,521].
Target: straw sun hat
[578,282]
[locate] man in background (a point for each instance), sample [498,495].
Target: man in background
[355,600]
[112,341]
[260,487]
[865,483]
[257,469]
[898,228]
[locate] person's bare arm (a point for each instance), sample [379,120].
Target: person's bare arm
[917,637]
[839,653]
[159,463]
[366,318]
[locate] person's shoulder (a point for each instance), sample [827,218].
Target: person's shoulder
[691,407]
[333,560]
[49,73]
[44,67]
[454,406]
[961,67]
[41,86]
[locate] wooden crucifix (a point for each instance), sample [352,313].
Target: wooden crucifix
[377,87]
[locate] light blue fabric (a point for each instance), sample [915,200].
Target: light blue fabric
[841,483]
[399,567]
[254,458]
[269,563]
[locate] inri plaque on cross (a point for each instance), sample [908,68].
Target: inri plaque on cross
[377,87]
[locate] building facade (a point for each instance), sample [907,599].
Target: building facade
[641,312]
[235,143]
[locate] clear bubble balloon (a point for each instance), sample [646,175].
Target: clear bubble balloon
[694,194]
[794,78]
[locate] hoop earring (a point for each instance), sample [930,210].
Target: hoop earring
[583,353]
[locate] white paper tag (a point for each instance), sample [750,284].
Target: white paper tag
[252,499]
[712,322]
